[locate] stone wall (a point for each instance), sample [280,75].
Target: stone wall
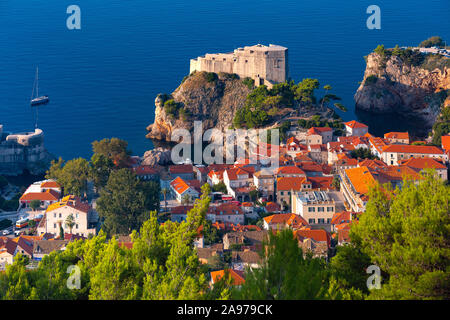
[23,151]
[264,64]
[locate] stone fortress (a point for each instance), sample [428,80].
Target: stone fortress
[22,151]
[264,64]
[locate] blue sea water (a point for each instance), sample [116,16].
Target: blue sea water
[102,79]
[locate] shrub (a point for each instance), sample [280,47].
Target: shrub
[171,108]
[249,82]
[372,79]
[211,76]
[432,42]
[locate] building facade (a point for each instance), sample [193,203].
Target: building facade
[264,64]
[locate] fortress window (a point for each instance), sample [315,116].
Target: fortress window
[251,51]
[246,61]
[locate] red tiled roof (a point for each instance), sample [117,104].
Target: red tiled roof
[27,246]
[445,142]
[225,209]
[179,185]
[396,135]
[50,184]
[236,276]
[181,209]
[319,235]
[49,195]
[341,217]
[235,172]
[423,163]
[291,219]
[400,148]
[71,201]
[361,178]
[318,130]
[290,170]
[272,207]
[291,183]
[354,124]
[181,168]
[322,183]
[373,164]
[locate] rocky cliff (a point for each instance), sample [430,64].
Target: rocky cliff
[406,83]
[201,96]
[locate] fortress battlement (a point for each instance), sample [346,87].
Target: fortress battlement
[19,151]
[264,64]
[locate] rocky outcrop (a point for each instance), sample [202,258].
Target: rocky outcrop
[212,101]
[391,85]
[158,156]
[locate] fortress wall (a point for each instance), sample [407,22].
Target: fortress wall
[28,138]
[263,64]
[21,151]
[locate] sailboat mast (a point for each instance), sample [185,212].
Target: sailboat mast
[37,81]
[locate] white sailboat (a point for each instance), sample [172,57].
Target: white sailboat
[38,99]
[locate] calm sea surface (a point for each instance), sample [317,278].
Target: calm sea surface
[102,79]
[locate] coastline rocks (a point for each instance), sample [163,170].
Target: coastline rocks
[392,86]
[212,102]
[158,156]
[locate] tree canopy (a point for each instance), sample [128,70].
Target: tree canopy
[407,236]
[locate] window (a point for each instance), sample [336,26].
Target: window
[282,193]
[54,225]
[328,221]
[320,220]
[311,221]
[76,226]
[54,215]
[320,209]
[311,209]
[329,209]
[60,215]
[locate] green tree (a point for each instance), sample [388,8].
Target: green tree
[101,167]
[336,183]
[304,91]
[121,203]
[348,267]
[114,149]
[285,274]
[72,175]
[407,237]
[220,187]
[116,276]
[35,204]
[70,222]
[210,234]
[434,41]
[164,192]
[186,199]
[362,153]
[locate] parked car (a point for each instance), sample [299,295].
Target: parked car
[6,232]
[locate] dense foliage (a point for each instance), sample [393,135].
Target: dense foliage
[263,105]
[125,201]
[441,126]
[362,153]
[434,41]
[408,237]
